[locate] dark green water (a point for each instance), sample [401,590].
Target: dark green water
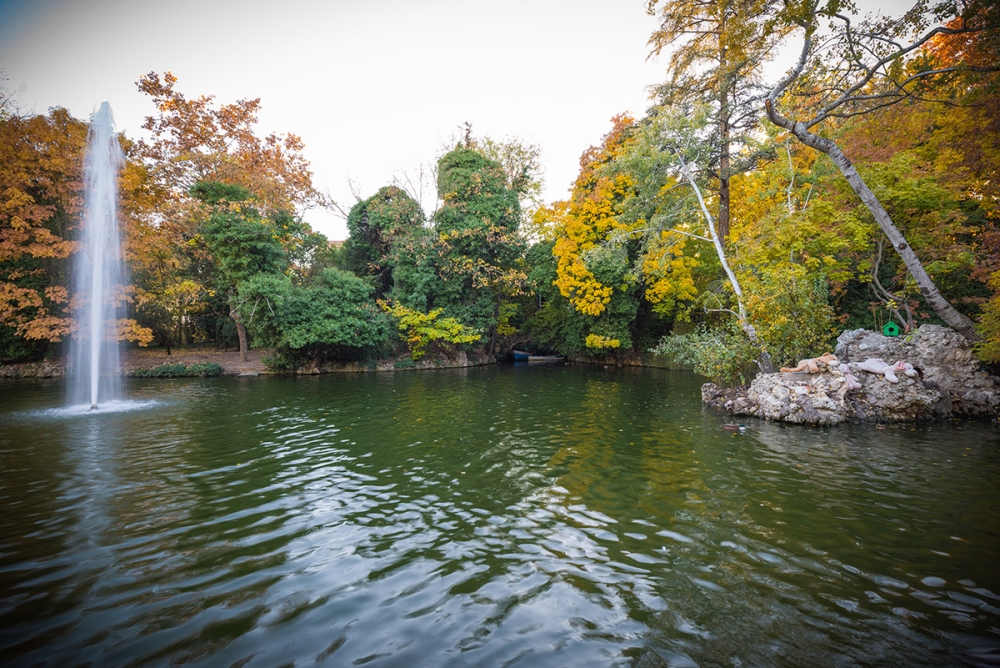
[559,516]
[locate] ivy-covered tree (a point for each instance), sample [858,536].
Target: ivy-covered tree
[478,247]
[376,225]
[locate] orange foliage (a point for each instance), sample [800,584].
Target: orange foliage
[195,140]
[40,183]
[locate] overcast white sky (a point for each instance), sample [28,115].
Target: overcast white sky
[373,88]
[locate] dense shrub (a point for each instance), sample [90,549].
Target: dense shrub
[722,354]
[179,370]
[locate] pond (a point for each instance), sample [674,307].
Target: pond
[506,516]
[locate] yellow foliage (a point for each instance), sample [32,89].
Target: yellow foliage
[779,224]
[668,272]
[989,327]
[420,329]
[581,224]
[586,220]
[599,342]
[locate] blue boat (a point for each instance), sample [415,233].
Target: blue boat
[546,359]
[520,355]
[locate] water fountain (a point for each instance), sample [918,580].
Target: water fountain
[98,272]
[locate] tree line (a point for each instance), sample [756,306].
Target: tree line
[738,225]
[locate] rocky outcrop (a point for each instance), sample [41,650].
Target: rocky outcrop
[930,374]
[940,355]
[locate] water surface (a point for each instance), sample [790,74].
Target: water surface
[513,516]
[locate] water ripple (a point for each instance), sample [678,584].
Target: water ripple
[487,517]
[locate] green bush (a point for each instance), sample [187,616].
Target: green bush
[179,370]
[203,369]
[724,355]
[330,317]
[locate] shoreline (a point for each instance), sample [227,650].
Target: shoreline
[140,358]
[232,365]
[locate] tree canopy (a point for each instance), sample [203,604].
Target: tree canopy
[738,220]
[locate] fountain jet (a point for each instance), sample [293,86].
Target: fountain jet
[98,272]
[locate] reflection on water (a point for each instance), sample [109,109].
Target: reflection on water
[486,517]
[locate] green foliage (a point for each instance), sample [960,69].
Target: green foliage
[477,252]
[722,354]
[214,192]
[420,330]
[14,348]
[179,370]
[242,243]
[474,193]
[470,264]
[792,315]
[376,225]
[416,282]
[331,317]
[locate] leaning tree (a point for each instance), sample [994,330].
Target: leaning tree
[854,68]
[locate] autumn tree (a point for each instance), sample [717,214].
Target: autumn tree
[864,66]
[41,161]
[40,199]
[666,159]
[197,140]
[717,49]
[794,250]
[595,255]
[975,156]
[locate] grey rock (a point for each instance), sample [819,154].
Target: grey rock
[941,355]
[949,381]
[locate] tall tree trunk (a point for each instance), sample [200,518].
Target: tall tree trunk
[724,193]
[928,289]
[241,329]
[724,134]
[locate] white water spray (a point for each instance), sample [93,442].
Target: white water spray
[98,274]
